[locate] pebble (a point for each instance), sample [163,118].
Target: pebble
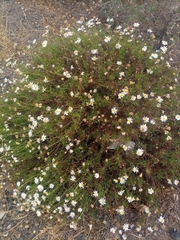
[8,227]
[18,235]
[2,213]
[174,233]
[5,234]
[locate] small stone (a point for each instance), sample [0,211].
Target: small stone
[1,71]
[2,213]
[18,235]
[174,233]
[130,145]
[8,227]
[5,234]
[113,145]
[4,201]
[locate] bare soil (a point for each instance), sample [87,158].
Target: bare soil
[21,23]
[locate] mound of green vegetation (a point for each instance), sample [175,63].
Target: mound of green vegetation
[92,123]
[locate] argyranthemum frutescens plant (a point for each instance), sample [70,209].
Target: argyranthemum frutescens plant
[92,123]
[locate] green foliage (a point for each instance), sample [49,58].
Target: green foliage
[92,123]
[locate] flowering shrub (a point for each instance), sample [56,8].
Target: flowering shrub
[92,123]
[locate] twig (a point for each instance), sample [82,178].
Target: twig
[41,232]
[139,237]
[14,226]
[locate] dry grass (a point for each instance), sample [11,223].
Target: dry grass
[6,46]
